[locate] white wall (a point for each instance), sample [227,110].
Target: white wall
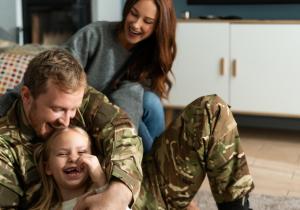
[110,10]
[11,16]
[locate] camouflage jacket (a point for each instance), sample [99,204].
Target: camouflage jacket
[118,147]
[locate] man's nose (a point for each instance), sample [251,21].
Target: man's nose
[65,118]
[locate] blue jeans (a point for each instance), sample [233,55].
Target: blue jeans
[153,120]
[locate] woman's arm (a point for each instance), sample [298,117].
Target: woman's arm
[129,96]
[84,43]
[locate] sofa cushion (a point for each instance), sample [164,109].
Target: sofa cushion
[14,61]
[12,68]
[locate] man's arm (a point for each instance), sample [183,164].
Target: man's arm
[10,190]
[117,196]
[117,146]
[8,198]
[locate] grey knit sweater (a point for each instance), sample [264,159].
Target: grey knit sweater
[102,56]
[98,50]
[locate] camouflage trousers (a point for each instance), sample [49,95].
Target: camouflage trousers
[202,141]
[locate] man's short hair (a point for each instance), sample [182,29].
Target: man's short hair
[57,66]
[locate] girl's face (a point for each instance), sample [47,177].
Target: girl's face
[140,22]
[65,150]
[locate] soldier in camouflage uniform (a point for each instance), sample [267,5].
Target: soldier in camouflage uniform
[54,85]
[203,140]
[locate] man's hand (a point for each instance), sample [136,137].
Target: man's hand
[116,197]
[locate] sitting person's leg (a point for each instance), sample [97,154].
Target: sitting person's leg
[203,140]
[153,120]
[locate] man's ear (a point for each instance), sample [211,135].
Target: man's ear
[26,95]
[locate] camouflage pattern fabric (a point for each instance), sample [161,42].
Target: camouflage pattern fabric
[19,179]
[202,141]
[117,145]
[114,139]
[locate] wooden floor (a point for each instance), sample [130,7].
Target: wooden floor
[274,160]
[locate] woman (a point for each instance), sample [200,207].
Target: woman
[131,61]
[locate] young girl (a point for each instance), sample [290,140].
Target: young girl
[68,170]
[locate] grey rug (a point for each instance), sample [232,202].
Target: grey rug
[257,202]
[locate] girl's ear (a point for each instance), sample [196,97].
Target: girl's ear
[47,169]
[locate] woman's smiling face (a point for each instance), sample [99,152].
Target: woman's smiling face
[140,22]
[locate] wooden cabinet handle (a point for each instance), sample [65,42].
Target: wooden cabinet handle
[234,68]
[222,66]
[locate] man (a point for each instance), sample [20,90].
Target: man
[54,85]
[203,140]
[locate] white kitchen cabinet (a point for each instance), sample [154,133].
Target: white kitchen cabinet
[202,53]
[261,66]
[267,68]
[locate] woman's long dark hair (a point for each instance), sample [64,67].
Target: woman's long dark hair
[152,59]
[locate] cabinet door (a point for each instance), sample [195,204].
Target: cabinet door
[201,46]
[268,69]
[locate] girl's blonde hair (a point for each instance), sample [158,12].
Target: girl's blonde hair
[50,195]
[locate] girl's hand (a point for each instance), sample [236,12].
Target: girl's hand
[95,170]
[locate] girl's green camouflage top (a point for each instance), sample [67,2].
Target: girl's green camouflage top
[118,147]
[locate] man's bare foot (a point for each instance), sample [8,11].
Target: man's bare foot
[193,206]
